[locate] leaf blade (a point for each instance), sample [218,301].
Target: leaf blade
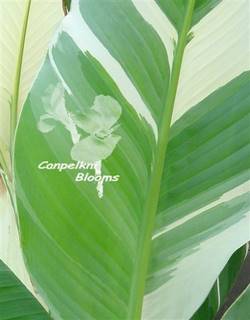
[240,309]
[16,302]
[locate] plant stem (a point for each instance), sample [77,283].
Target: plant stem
[144,245]
[64,7]
[15,97]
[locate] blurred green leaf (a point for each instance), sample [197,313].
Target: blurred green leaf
[16,302]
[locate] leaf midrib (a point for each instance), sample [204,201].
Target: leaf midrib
[144,243]
[18,71]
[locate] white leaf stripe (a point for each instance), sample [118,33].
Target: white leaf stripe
[85,39]
[219,52]
[152,13]
[195,275]
[227,196]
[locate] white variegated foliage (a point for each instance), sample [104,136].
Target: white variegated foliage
[217,54]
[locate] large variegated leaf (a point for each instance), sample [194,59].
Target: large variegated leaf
[26,27]
[161,232]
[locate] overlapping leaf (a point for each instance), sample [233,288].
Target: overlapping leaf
[22,50]
[16,302]
[240,308]
[107,49]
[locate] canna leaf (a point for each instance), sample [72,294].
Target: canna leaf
[23,49]
[175,10]
[26,28]
[16,302]
[222,286]
[240,308]
[160,235]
